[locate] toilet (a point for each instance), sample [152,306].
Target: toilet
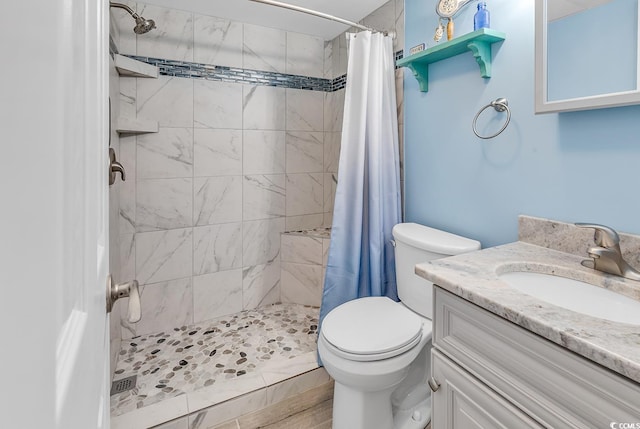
[378,350]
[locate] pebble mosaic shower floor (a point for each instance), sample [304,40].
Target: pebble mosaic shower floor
[189,358]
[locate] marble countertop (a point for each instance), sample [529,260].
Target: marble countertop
[474,277]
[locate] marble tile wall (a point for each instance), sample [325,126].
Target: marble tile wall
[304,260]
[232,166]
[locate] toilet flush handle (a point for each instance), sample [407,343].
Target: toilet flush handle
[433,384]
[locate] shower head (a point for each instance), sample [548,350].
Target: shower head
[142,25]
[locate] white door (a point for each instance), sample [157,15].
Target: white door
[54,239]
[82,345]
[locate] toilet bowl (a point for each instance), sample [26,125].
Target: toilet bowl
[369,365]
[378,350]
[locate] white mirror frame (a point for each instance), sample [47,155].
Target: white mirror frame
[543,105]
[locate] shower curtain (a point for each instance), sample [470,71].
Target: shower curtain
[367,202]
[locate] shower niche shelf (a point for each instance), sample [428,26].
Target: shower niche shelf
[479,43]
[136,126]
[133,68]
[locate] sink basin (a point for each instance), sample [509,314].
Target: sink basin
[576,296]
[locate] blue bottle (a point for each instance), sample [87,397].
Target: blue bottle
[481,18]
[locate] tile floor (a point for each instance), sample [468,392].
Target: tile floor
[211,355]
[310,410]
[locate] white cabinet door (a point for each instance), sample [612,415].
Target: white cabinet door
[546,381]
[462,402]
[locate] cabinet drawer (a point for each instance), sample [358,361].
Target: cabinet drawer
[462,402]
[553,385]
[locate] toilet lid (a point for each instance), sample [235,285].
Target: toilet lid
[372,326]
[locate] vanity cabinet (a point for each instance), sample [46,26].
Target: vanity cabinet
[463,402]
[493,373]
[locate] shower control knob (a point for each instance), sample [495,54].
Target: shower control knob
[121,290]
[417,416]
[115,167]
[433,384]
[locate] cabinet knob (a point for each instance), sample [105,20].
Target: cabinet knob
[433,384]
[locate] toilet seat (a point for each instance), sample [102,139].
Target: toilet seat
[372,328]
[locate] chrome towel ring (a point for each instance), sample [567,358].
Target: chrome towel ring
[500,104]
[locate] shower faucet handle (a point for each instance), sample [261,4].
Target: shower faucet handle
[120,290]
[115,167]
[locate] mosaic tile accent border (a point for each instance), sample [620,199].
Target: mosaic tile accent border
[192,70]
[236,75]
[339,83]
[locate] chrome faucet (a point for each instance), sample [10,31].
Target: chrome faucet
[606,254]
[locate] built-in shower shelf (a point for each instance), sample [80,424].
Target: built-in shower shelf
[136,126]
[133,68]
[479,43]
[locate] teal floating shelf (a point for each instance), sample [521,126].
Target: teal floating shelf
[479,43]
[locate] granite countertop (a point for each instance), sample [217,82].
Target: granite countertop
[474,277]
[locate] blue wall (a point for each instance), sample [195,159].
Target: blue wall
[575,166]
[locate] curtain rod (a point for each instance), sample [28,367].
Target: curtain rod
[316,13]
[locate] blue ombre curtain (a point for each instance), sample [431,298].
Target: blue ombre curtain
[367,202]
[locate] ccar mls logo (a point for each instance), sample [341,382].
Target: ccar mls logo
[615,425]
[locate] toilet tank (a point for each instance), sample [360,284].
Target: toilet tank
[415,244]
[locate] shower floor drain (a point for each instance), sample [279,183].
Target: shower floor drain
[119,386]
